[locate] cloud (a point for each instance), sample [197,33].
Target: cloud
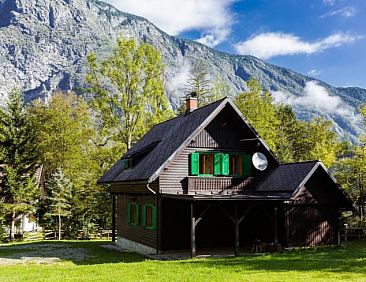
[212,17]
[314,72]
[271,44]
[214,38]
[179,81]
[347,12]
[317,97]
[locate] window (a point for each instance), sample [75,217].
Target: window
[149,217]
[233,164]
[207,164]
[236,165]
[133,213]
[127,163]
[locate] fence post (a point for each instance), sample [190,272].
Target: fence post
[345,232]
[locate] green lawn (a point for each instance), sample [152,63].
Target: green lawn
[88,261]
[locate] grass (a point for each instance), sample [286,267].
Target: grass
[88,261]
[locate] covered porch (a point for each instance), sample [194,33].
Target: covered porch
[228,224]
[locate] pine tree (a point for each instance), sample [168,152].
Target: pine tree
[199,84]
[19,154]
[60,191]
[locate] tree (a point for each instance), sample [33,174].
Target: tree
[19,155]
[288,128]
[220,89]
[258,107]
[69,140]
[60,191]
[199,83]
[127,91]
[322,141]
[65,129]
[292,140]
[350,171]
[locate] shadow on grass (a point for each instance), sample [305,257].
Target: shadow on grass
[349,258]
[78,252]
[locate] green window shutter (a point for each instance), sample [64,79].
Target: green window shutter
[137,214]
[225,164]
[154,217]
[130,162]
[195,163]
[217,164]
[144,215]
[129,213]
[247,165]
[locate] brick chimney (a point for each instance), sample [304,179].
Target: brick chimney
[191,103]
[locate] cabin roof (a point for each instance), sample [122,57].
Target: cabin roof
[286,177]
[167,137]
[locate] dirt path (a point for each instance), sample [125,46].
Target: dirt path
[42,254]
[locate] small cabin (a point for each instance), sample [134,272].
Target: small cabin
[206,179]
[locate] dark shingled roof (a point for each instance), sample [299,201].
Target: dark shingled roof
[286,177]
[162,140]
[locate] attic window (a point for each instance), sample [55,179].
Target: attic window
[127,163]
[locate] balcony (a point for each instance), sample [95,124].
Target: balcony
[214,185]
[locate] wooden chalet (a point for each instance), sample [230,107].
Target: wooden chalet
[190,183]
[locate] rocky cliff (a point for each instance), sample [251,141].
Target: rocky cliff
[44,43]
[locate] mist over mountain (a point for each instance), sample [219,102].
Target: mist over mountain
[44,44]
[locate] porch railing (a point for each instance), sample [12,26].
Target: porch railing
[216,184]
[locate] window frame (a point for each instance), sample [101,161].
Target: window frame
[137,214]
[241,165]
[213,164]
[127,163]
[246,171]
[153,216]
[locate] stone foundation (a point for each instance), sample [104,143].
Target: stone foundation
[134,246]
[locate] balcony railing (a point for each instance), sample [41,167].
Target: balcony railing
[217,184]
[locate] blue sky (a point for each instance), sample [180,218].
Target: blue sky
[325,39]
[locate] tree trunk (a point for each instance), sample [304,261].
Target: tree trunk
[59,227]
[129,141]
[12,227]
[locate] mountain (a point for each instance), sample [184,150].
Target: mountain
[44,43]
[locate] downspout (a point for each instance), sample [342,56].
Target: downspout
[151,190]
[157,210]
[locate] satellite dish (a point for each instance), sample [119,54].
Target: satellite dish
[259,161]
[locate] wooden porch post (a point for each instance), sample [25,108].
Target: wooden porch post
[236,220]
[113,218]
[193,232]
[237,236]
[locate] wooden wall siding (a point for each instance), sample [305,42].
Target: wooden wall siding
[216,184]
[225,131]
[137,233]
[319,190]
[133,188]
[173,178]
[311,225]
